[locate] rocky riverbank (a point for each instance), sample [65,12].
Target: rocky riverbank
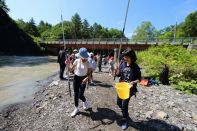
[154,108]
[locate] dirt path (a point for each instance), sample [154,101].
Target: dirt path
[154,108]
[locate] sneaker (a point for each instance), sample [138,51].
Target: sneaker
[61,78]
[92,83]
[85,105]
[74,113]
[124,124]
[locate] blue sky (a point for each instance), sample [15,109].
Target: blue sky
[109,13]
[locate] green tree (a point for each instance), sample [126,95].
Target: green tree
[31,28]
[168,32]
[21,24]
[76,26]
[145,31]
[115,33]
[180,31]
[4,6]
[103,33]
[190,25]
[95,30]
[85,29]
[55,33]
[43,26]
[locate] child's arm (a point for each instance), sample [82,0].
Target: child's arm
[134,82]
[85,80]
[71,67]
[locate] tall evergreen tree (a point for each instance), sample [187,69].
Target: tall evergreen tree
[31,28]
[85,29]
[76,26]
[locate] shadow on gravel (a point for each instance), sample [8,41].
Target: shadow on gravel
[104,85]
[100,84]
[107,116]
[152,125]
[97,82]
[104,115]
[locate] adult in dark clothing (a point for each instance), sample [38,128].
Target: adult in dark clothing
[61,60]
[128,71]
[164,75]
[100,61]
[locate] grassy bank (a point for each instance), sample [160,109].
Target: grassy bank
[182,64]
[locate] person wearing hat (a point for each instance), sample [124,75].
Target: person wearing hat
[93,64]
[82,69]
[128,71]
[73,55]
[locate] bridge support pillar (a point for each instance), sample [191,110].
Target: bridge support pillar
[115,54]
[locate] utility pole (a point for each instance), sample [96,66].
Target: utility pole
[63,31]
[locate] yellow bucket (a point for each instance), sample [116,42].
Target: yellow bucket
[123,90]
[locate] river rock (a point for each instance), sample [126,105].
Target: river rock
[54,83]
[195,128]
[55,98]
[38,110]
[171,104]
[137,114]
[143,97]
[188,128]
[194,116]
[161,115]
[162,98]
[187,115]
[177,110]
[156,107]
[106,121]
[149,114]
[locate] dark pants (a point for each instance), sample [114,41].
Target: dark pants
[79,89]
[123,104]
[99,66]
[62,68]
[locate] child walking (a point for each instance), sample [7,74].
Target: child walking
[82,69]
[128,71]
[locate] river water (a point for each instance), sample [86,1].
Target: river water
[19,77]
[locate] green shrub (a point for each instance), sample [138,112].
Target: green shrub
[181,62]
[187,87]
[37,40]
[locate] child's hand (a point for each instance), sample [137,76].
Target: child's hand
[131,83]
[67,62]
[116,66]
[84,81]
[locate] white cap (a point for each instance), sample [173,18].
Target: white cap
[90,54]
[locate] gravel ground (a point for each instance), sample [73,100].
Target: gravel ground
[154,108]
